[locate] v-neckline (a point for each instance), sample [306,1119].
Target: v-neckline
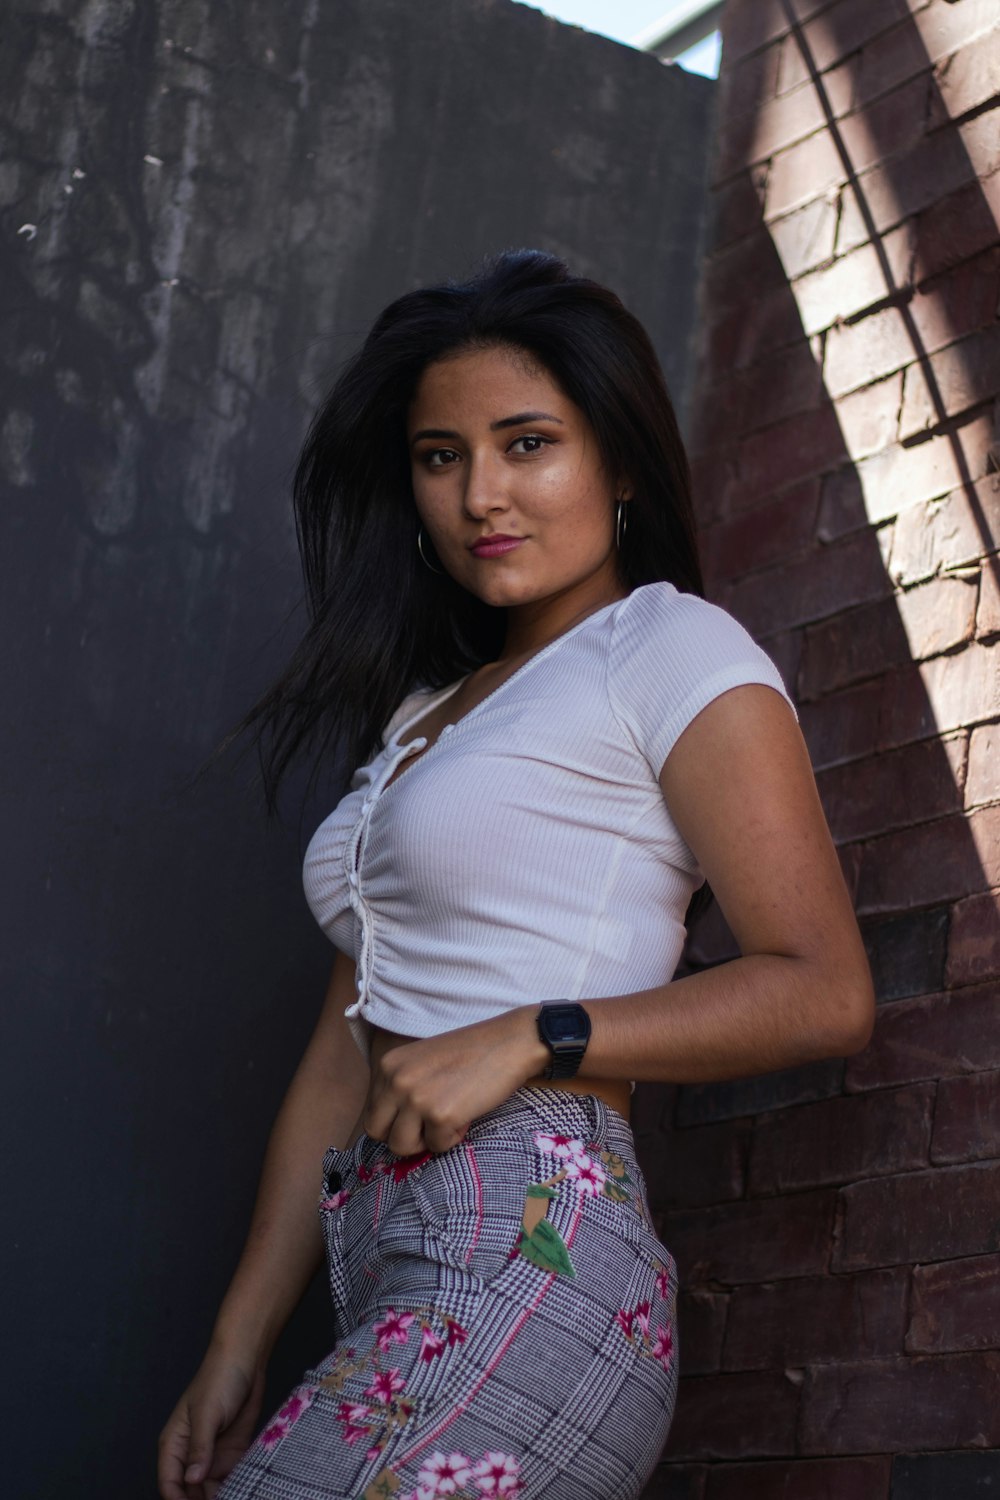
[442,696]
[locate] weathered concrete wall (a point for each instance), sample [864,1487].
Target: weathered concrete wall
[202,207]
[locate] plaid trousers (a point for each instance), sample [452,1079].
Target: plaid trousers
[506,1316]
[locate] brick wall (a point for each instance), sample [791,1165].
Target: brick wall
[837,1226]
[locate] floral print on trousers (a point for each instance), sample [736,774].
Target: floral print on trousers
[507,1321]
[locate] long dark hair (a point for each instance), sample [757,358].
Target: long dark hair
[380,623]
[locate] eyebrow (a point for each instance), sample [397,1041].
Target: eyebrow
[515,421]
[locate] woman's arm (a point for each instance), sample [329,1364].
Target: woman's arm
[740,789]
[213,1421]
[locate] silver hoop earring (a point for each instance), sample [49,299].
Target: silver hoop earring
[621,523]
[423,554]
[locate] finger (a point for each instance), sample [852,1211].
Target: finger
[406,1136]
[201,1449]
[170,1467]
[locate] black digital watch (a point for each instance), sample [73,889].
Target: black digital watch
[564,1027]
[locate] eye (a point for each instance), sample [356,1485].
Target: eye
[438,458]
[533,443]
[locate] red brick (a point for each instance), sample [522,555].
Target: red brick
[843,726]
[706,1165]
[945,28]
[851,647]
[905,786]
[935,1476]
[909,49]
[734,1416]
[750,24]
[703,1102]
[938,615]
[961,225]
[769,534]
[822,583]
[895,123]
[983,781]
[974,941]
[946,308]
[947,693]
[839,31]
[761,1240]
[773,124]
[779,387]
[891,481]
[855,281]
[802,1479]
[840,1140]
[911,182]
[701,1325]
[947,533]
[988,613]
[931,862]
[935,1215]
[676,1482]
[809,170]
[956,1305]
[746,82]
[952,381]
[906,954]
[934,1036]
[745,334]
[815,1320]
[806,237]
[894,1405]
[966,79]
[967,1119]
[713,478]
[751,263]
[716,419]
[736,208]
[785,650]
[790,451]
[888,61]
[869,418]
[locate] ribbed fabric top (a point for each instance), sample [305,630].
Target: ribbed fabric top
[529,854]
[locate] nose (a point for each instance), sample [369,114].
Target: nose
[485,487]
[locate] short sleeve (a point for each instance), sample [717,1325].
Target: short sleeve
[671,654]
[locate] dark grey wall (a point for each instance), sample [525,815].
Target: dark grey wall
[203,205]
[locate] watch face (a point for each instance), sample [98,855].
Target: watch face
[564,1028]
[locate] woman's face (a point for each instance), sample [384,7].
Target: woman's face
[509,483]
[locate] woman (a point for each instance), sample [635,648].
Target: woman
[558,740]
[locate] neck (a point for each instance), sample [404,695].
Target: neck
[532,626]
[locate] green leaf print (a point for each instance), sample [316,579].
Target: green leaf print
[614,1189]
[540,1190]
[546,1248]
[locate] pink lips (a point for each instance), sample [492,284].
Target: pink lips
[496,545]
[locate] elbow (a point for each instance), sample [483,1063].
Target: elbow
[848,1017]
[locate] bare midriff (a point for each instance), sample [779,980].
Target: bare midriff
[615,1092]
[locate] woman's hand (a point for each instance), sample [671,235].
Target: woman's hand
[210,1428]
[424,1094]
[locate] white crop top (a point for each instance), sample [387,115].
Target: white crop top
[529,854]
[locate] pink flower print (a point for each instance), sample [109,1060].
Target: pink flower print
[498,1474]
[272,1435]
[624,1318]
[588,1175]
[337,1200]
[663,1349]
[296,1404]
[443,1474]
[431,1345]
[356,1420]
[366,1173]
[404,1165]
[566,1147]
[384,1385]
[393,1329]
[642,1318]
[456,1333]
[663,1284]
